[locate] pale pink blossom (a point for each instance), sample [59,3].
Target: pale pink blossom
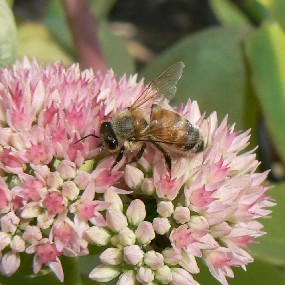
[59,195]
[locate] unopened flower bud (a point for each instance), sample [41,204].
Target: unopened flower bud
[163,274]
[17,244]
[10,263]
[153,259]
[82,179]
[165,209]
[5,240]
[54,180]
[133,254]
[133,176]
[199,225]
[70,190]
[145,275]
[145,233]
[161,225]
[171,257]
[32,234]
[113,197]
[9,222]
[181,214]
[104,273]
[116,220]
[98,235]
[126,237]
[148,186]
[127,278]
[31,210]
[67,169]
[136,212]
[111,256]
[181,276]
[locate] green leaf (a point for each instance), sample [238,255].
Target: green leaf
[36,41]
[271,247]
[215,73]
[115,50]
[8,35]
[101,9]
[228,13]
[266,56]
[255,11]
[276,9]
[54,18]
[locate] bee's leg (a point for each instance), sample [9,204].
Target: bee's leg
[118,158]
[167,157]
[139,154]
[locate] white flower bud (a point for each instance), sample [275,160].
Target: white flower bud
[148,186]
[17,244]
[82,179]
[116,220]
[145,233]
[54,180]
[10,263]
[153,259]
[136,212]
[181,276]
[32,234]
[31,210]
[161,225]
[165,209]
[126,237]
[67,169]
[171,257]
[145,275]
[98,235]
[44,221]
[5,240]
[133,254]
[181,215]
[163,274]
[113,197]
[133,176]
[104,273]
[127,278]
[70,190]
[111,256]
[189,263]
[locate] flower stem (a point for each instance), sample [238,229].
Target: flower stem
[71,271]
[84,32]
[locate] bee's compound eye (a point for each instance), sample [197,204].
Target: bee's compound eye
[105,127]
[111,142]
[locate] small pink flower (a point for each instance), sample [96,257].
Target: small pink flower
[47,253]
[182,237]
[54,203]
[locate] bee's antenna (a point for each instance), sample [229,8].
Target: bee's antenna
[90,135]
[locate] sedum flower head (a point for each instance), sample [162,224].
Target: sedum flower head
[58,197]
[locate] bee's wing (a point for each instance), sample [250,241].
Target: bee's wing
[168,127]
[163,86]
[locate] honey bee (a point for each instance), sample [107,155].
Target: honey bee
[131,129]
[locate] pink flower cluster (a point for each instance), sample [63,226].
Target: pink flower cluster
[59,198]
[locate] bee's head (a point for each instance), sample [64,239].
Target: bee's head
[108,136]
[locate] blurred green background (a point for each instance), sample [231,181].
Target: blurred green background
[234,52]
